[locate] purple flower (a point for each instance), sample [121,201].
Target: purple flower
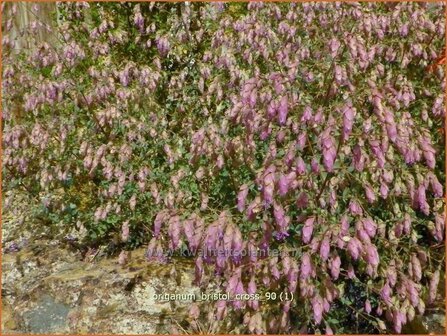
[416,267]
[370,195]
[194,311]
[241,197]
[325,249]
[159,220]
[237,244]
[174,230]
[372,256]
[351,273]
[301,140]
[319,117]
[302,201]
[348,120]
[308,229]
[317,307]
[354,248]
[368,307]
[13,247]
[335,267]
[271,110]
[253,207]
[334,45]
[300,166]
[125,231]
[123,257]
[283,185]
[188,229]
[412,292]
[438,189]
[269,184]
[370,226]
[315,167]
[234,281]
[355,208]
[398,320]
[344,224]
[378,152]
[163,45]
[421,200]
[251,288]
[280,217]
[292,277]
[403,30]
[307,114]
[329,150]
[139,21]
[198,270]
[306,267]
[282,110]
[384,190]
[385,293]
[358,158]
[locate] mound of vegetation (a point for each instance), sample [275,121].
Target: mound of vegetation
[304,139]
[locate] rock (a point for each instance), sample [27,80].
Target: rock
[54,292]
[434,323]
[47,316]
[430,323]
[416,326]
[8,322]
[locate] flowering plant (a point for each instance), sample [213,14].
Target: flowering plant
[245,127]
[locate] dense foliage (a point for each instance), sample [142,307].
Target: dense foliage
[311,128]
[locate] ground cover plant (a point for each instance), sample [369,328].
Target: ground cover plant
[311,129]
